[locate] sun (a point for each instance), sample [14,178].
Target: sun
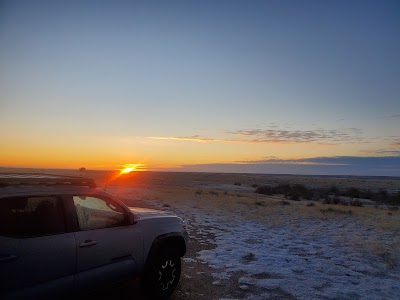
[125,169]
[128,168]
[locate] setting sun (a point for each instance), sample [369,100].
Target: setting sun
[128,168]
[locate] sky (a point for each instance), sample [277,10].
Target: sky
[299,87]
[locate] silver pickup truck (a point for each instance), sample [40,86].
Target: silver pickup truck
[61,236]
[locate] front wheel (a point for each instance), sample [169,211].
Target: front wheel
[162,275]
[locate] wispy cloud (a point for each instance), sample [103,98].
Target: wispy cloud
[301,136]
[253,136]
[322,161]
[392,115]
[193,138]
[385,152]
[327,161]
[396,143]
[393,148]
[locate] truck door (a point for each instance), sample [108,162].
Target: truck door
[37,254]
[109,249]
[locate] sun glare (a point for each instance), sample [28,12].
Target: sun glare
[128,168]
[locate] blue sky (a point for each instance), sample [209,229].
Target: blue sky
[188,83]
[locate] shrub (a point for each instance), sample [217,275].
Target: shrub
[336,200]
[309,195]
[390,259]
[367,194]
[330,195]
[298,191]
[337,211]
[294,197]
[352,193]
[214,193]
[317,196]
[294,192]
[383,193]
[392,199]
[356,202]
[282,189]
[327,200]
[334,190]
[396,199]
[248,258]
[265,190]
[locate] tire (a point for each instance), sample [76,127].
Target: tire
[162,274]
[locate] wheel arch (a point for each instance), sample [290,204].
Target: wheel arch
[171,241]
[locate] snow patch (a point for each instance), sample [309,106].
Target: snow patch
[306,258]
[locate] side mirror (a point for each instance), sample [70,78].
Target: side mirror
[133,218]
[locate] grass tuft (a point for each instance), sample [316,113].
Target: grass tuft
[249,257]
[214,193]
[336,211]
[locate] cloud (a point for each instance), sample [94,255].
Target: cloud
[396,143]
[200,139]
[389,116]
[301,136]
[322,161]
[338,165]
[330,160]
[193,138]
[386,152]
[392,150]
[256,136]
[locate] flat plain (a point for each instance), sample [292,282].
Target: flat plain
[246,245]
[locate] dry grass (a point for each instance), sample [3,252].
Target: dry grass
[256,207]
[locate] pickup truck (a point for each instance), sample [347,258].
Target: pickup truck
[62,236]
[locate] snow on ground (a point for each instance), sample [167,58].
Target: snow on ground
[313,259]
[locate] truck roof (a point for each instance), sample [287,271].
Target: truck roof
[22,184]
[12,179]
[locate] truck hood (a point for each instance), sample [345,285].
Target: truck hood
[147,213]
